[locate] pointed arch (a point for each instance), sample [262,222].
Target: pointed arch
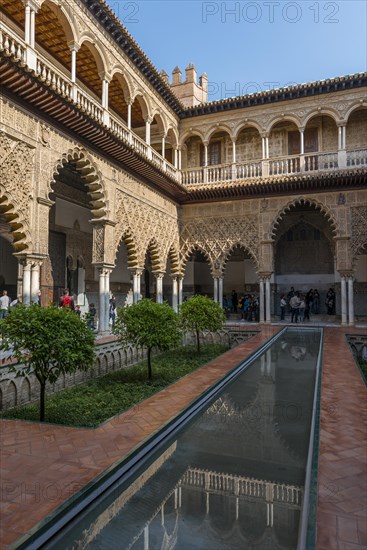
[90,175]
[174,257]
[228,252]
[304,201]
[196,248]
[15,219]
[155,255]
[129,240]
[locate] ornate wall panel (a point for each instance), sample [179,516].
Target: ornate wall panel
[217,236]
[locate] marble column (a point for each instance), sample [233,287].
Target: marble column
[175,292]
[343,291]
[136,284]
[35,282]
[350,300]
[220,291]
[129,116]
[27,26]
[215,289]
[26,282]
[261,300]
[159,286]
[180,290]
[147,131]
[267,300]
[101,300]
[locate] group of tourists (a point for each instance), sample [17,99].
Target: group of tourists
[68,301]
[302,305]
[247,305]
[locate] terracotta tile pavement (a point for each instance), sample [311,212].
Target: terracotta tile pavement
[43,465]
[342,482]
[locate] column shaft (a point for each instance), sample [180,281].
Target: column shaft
[261,300]
[220,291]
[27,26]
[26,282]
[351,300]
[35,282]
[147,132]
[180,290]
[267,300]
[102,301]
[215,289]
[174,294]
[343,291]
[33,28]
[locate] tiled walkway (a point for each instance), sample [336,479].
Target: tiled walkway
[342,503]
[42,465]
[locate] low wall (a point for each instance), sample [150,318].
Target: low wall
[18,390]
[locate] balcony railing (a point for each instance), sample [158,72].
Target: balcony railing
[54,75]
[282,166]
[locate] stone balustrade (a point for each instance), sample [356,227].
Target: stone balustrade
[54,76]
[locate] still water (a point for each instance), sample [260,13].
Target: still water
[231,479]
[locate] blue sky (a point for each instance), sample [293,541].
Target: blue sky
[248,46]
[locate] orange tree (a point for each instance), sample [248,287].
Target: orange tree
[201,313]
[47,341]
[148,325]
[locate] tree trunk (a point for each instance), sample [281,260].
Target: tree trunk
[42,401]
[198,340]
[149,364]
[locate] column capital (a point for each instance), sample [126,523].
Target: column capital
[158,274]
[341,124]
[264,275]
[34,5]
[104,269]
[103,75]
[73,46]
[347,274]
[137,271]
[148,120]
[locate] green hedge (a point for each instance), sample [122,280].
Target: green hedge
[101,398]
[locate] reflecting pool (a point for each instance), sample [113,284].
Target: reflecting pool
[233,478]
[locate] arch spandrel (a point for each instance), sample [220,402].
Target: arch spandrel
[358,241]
[215,236]
[147,225]
[17,167]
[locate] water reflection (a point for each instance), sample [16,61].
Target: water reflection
[232,479]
